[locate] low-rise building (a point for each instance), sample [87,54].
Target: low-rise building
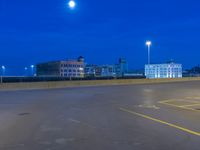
[108,71]
[167,70]
[117,70]
[67,68]
[100,71]
[90,70]
[121,68]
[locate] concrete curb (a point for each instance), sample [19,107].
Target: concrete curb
[63,84]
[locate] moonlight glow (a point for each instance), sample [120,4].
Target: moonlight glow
[72,4]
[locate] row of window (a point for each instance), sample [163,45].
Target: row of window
[157,73]
[165,69]
[70,70]
[163,66]
[163,72]
[71,65]
[71,75]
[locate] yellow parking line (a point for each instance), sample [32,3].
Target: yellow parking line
[169,100]
[179,100]
[188,108]
[189,97]
[182,107]
[190,101]
[162,122]
[190,105]
[198,98]
[185,100]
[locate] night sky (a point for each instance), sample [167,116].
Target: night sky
[33,31]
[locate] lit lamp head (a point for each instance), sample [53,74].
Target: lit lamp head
[148,43]
[72,4]
[3,67]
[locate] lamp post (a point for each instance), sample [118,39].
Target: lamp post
[25,69]
[32,70]
[3,68]
[148,43]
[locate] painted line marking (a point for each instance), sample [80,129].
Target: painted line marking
[169,100]
[180,100]
[187,107]
[197,98]
[162,122]
[148,106]
[190,105]
[182,107]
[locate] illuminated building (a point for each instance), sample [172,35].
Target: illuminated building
[167,70]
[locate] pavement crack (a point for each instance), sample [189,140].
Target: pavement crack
[24,114]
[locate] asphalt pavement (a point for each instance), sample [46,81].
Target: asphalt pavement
[133,117]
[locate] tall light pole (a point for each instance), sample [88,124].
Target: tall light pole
[3,68]
[25,69]
[32,70]
[148,43]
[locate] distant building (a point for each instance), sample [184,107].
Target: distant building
[193,72]
[167,70]
[108,71]
[121,68]
[117,70]
[100,71]
[68,68]
[90,70]
[135,74]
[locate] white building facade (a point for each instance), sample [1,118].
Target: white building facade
[167,70]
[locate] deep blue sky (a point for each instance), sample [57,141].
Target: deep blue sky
[34,31]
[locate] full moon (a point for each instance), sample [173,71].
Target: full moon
[72,4]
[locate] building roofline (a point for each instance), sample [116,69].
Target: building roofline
[165,64]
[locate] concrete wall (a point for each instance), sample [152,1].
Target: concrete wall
[62,84]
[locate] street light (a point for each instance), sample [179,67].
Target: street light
[148,43]
[25,68]
[72,4]
[3,71]
[3,68]
[32,67]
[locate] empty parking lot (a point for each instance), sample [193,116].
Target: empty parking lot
[140,117]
